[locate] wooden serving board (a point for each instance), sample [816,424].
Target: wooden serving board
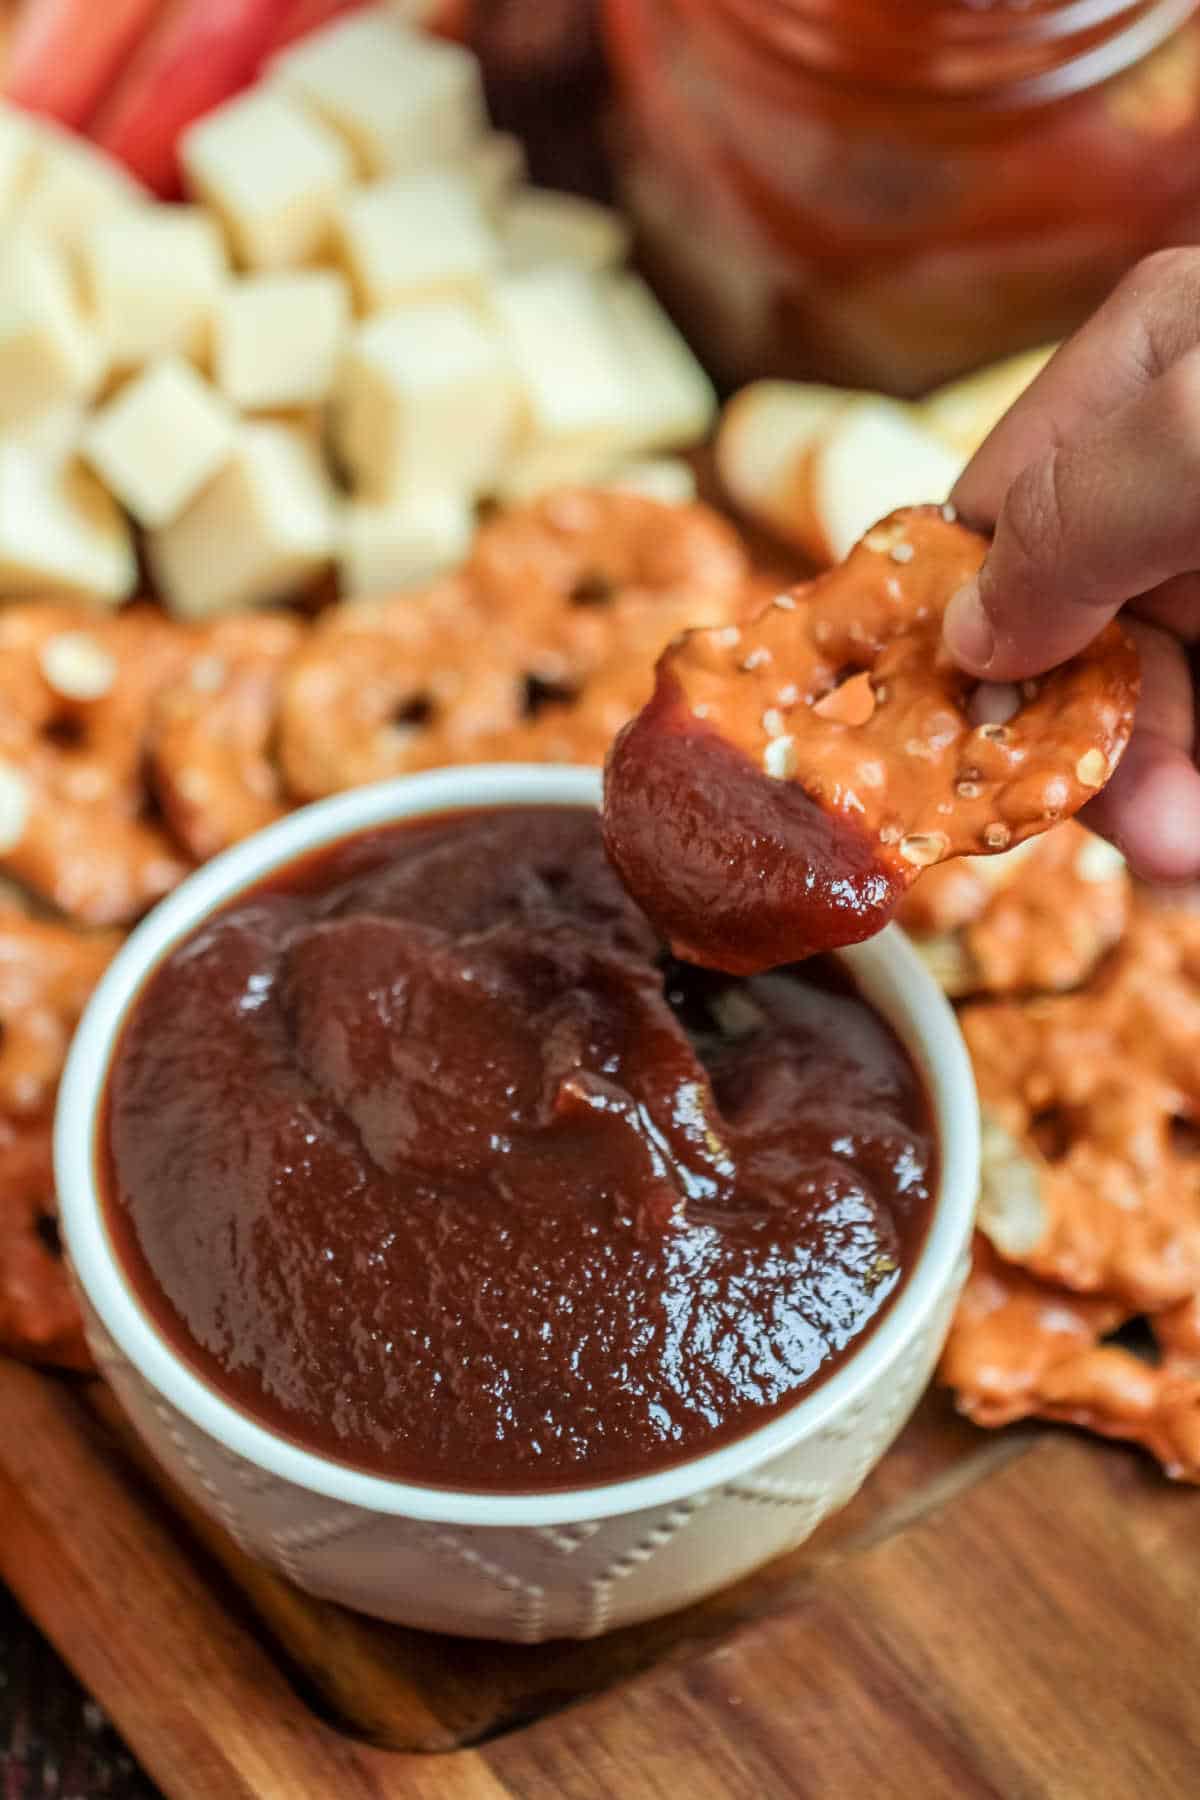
[1007,1615]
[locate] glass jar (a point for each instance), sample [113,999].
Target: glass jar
[889,192]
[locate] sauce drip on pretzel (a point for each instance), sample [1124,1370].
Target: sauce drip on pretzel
[791,777]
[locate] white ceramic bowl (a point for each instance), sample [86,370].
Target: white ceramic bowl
[568,1564]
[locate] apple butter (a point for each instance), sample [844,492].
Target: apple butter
[427,1155]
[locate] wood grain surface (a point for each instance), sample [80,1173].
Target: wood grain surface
[1016,1615]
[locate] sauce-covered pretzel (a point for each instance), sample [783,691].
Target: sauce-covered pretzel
[76,697]
[39,1317]
[791,777]
[1022,1348]
[1091,1152]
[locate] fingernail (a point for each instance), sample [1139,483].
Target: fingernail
[968,630]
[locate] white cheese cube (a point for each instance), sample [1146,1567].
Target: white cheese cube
[424,402]
[539,468]
[416,237]
[670,402]
[48,354]
[152,277]
[272,172]
[159,439]
[55,433]
[277,338]
[61,535]
[402,543]
[575,405]
[262,529]
[68,187]
[540,226]
[665,478]
[18,146]
[494,166]
[399,98]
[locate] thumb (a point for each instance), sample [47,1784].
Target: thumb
[1083,529]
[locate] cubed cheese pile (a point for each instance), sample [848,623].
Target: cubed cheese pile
[360,325]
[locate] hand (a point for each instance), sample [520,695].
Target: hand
[1092,483]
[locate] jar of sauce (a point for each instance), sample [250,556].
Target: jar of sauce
[889,192]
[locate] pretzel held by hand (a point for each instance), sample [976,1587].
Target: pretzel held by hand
[792,777]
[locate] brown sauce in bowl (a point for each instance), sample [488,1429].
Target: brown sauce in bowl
[426,1155]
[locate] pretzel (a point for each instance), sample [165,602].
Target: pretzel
[827,750]
[1091,1171]
[1020,1348]
[47,971]
[539,650]
[212,742]
[76,694]
[575,573]
[39,1317]
[1035,920]
[390,686]
[577,723]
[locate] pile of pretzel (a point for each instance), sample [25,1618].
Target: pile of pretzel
[133,747]
[1079,998]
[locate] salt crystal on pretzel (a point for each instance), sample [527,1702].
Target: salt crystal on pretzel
[1022,1348]
[757,820]
[39,1316]
[213,732]
[47,971]
[1036,919]
[1091,1170]
[76,694]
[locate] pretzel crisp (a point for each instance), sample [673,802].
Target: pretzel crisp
[39,1317]
[77,695]
[1036,919]
[539,650]
[390,686]
[213,733]
[47,971]
[792,777]
[1091,1166]
[1022,1348]
[576,575]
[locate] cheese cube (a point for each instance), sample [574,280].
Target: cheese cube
[424,401]
[402,543]
[262,529]
[158,440]
[539,226]
[152,278]
[416,237]
[272,172]
[60,534]
[493,166]
[399,98]
[18,146]
[277,338]
[69,186]
[669,400]
[48,354]
[565,355]
[55,433]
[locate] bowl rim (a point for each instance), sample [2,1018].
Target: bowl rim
[917,1010]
